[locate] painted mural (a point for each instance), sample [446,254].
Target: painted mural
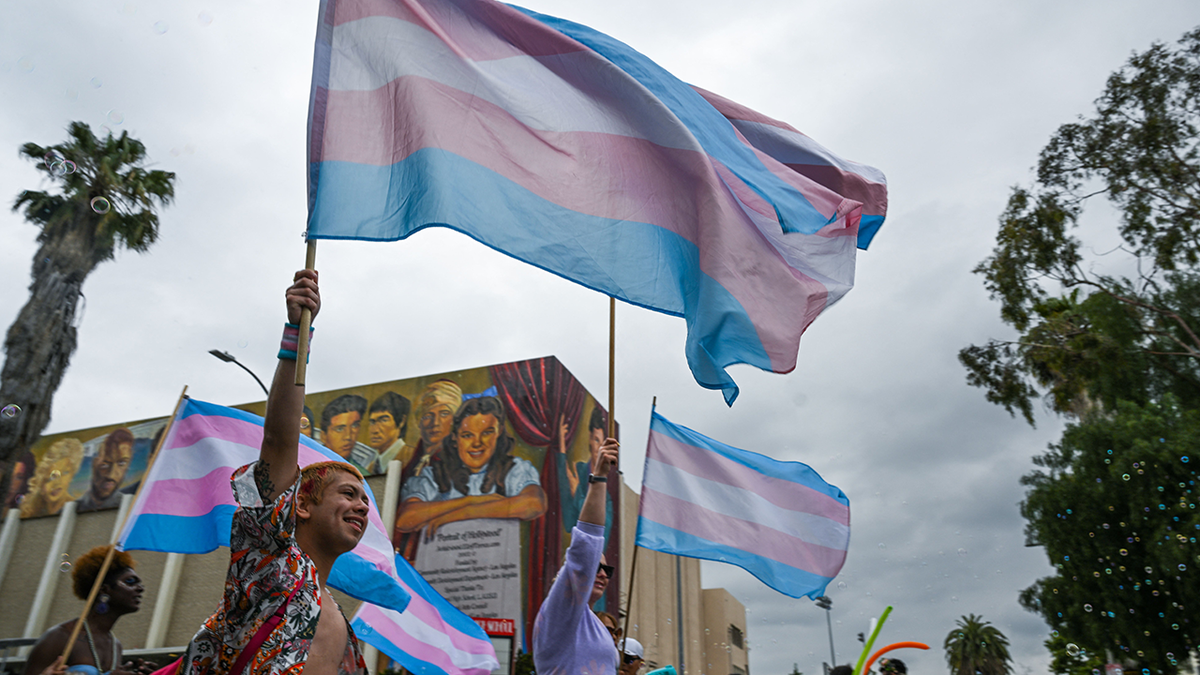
[493,471]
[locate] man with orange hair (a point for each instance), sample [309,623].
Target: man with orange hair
[277,616]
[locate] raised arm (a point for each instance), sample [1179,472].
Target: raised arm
[277,461]
[597,494]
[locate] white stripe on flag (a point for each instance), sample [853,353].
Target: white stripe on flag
[745,505]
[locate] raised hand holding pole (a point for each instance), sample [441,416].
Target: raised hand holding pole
[310,263]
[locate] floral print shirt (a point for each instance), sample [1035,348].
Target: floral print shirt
[265,564]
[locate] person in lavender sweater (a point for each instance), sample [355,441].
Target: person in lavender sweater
[568,639]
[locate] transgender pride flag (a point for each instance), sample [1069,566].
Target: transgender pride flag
[186,506]
[567,149]
[777,520]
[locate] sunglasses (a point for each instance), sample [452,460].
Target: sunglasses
[630,658]
[607,569]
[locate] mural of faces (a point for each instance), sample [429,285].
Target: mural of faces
[382,430]
[342,432]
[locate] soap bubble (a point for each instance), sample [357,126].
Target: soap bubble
[69,167]
[53,157]
[25,64]
[116,116]
[64,566]
[1087,608]
[96,83]
[204,18]
[161,27]
[962,551]
[10,411]
[1073,649]
[841,585]
[1125,476]
[1182,567]
[100,205]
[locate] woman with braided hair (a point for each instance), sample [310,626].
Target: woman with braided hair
[96,651]
[477,476]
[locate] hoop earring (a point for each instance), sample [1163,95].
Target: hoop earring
[102,603]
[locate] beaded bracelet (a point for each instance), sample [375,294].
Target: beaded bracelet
[291,340]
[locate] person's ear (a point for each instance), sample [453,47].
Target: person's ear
[303,508]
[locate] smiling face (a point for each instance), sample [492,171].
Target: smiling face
[435,424]
[342,432]
[339,519]
[109,469]
[476,438]
[382,430]
[125,592]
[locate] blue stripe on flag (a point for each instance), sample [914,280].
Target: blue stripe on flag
[357,577]
[714,133]
[412,664]
[867,227]
[791,581]
[795,472]
[181,534]
[537,231]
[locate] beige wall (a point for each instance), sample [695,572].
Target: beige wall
[723,612]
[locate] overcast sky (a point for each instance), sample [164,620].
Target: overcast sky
[951,100]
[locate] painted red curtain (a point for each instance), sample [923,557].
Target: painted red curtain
[536,394]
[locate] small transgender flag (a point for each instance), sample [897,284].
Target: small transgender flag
[777,520]
[187,506]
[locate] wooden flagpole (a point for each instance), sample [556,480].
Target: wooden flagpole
[632,573]
[612,365]
[112,545]
[310,263]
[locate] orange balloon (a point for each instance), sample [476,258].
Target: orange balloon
[894,645]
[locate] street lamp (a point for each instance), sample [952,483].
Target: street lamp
[826,604]
[229,358]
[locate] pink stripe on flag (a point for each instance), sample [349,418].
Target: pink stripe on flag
[627,180]
[709,465]
[194,428]
[741,534]
[190,497]
[386,627]
[521,34]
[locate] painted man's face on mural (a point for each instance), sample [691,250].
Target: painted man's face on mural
[435,424]
[109,469]
[477,440]
[382,430]
[342,432]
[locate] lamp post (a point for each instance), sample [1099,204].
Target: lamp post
[826,604]
[229,358]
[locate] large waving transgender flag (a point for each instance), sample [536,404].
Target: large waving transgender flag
[777,520]
[187,505]
[567,149]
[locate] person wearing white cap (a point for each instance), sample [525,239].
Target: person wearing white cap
[632,656]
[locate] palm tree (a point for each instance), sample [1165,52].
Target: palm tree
[106,199]
[977,647]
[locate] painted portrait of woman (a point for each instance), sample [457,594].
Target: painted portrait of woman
[478,476]
[48,486]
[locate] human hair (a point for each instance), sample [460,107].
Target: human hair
[340,405]
[449,471]
[893,666]
[841,670]
[599,420]
[115,439]
[603,616]
[87,568]
[314,478]
[395,404]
